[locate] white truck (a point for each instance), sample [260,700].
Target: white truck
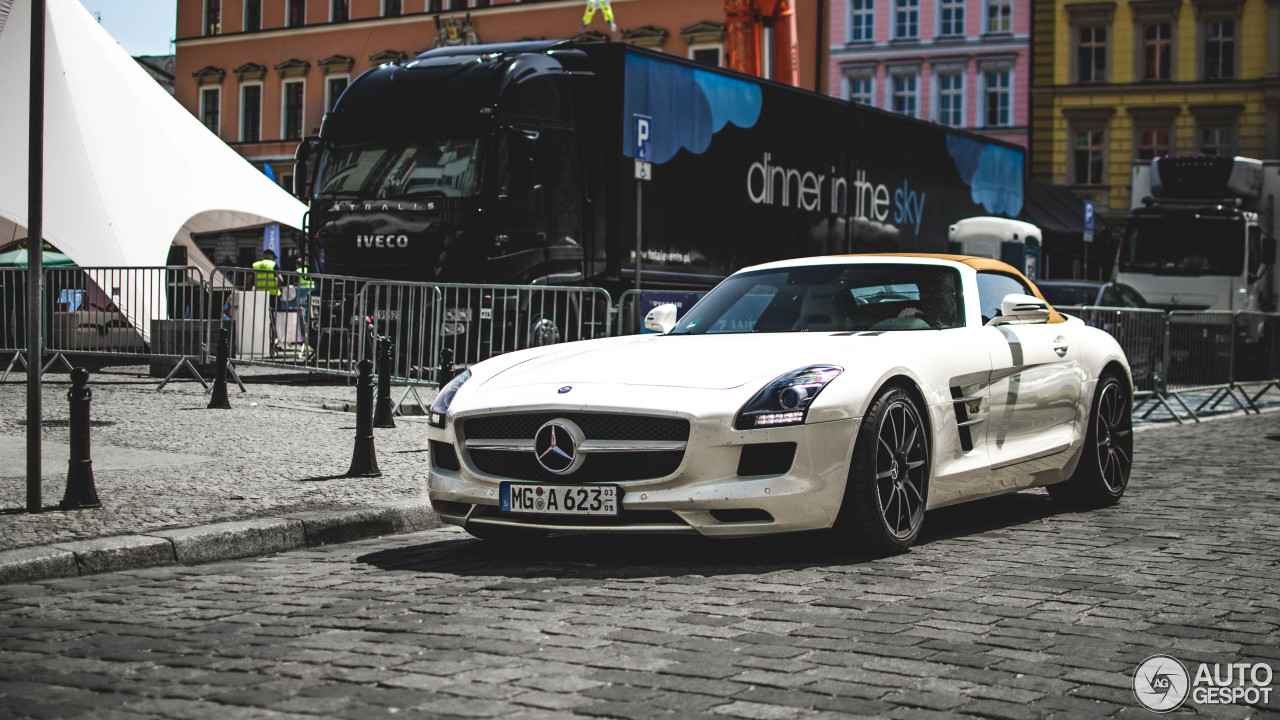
[1201,233]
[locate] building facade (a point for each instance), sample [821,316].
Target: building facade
[962,63]
[1122,81]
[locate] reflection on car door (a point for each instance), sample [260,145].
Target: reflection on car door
[1035,383]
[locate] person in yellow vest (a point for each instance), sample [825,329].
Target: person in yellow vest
[266,279]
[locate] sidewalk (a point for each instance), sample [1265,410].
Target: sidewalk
[162,461]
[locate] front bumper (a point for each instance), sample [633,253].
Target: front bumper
[704,495]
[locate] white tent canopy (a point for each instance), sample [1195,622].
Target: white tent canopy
[128,171]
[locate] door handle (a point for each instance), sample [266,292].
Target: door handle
[1060,346]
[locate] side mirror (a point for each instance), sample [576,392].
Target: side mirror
[661,319]
[1022,310]
[302,168]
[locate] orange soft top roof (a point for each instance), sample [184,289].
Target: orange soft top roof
[980,263]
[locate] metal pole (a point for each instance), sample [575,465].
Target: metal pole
[35,256]
[639,216]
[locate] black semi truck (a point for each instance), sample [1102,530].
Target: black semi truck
[518,163]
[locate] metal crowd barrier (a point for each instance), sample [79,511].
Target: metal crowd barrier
[13,318]
[1197,360]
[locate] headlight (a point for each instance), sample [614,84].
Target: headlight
[445,398]
[786,400]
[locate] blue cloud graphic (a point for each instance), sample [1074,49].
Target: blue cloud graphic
[687,105]
[993,173]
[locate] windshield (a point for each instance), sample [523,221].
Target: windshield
[1180,245]
[377,171]
[830,298]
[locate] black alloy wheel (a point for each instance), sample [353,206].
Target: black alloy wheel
[888,486]
[1101,477]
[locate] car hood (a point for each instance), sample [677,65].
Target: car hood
[709,362]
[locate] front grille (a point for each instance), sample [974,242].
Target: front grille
[613,466]
[596,426]
[598,467]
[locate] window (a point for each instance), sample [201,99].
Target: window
[904,94]
[1152,142]
[391,8]
[333,90]
[906,19]
[292,115]
[1091,54]
[992,289]
[1219,49]
[297,13]
[1089,157]
[339,10]
[1217,140]
[1157,50]
[250,113]
[862,88]
[862,20]
[705,54]
[950,18]
[951,99]
[210,102]
[998,98]
[999,16]
[252,15]
[212,17]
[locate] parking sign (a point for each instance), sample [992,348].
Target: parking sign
[644,137]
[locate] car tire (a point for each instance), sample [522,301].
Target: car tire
[888,486]
[503,534]
[1102,474]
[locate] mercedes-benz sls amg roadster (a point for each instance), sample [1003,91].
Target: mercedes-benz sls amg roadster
[845,393]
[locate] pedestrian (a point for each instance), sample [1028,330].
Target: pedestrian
[267,279]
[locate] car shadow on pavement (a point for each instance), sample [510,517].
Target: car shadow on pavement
[636,556]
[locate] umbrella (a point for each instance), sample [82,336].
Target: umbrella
[18,258]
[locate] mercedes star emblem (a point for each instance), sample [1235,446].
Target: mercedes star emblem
[556,446]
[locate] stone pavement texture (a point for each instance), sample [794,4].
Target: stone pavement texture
[162,462]
[1008,608]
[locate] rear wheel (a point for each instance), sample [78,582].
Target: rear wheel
[884,498]
[1102,475]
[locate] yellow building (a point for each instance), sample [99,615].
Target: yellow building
[1116,82]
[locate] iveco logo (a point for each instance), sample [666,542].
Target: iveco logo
[382,241]
[556,446]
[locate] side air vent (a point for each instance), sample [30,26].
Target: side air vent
[964,421]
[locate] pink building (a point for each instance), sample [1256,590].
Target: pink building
[964,63]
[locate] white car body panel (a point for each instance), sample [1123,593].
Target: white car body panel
[1030,388]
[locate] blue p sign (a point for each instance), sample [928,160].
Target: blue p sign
[1088,215]
[644,137]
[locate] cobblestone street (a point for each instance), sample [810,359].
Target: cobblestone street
[1009,608]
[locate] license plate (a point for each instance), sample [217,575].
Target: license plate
[534,499]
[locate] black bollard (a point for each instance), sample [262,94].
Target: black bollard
[218,400]
[446,367]
[80,494]
[382,417]
[364,463]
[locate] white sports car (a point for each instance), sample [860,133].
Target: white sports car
[851,393]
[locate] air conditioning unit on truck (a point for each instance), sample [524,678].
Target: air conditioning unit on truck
[520,164]
[1201,233]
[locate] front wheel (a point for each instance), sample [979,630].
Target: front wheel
[1102,475]
[885,495]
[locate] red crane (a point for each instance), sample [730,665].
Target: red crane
[761,35]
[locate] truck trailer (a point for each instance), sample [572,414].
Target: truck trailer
[560,163]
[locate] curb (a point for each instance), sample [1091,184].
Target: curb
[210,543]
